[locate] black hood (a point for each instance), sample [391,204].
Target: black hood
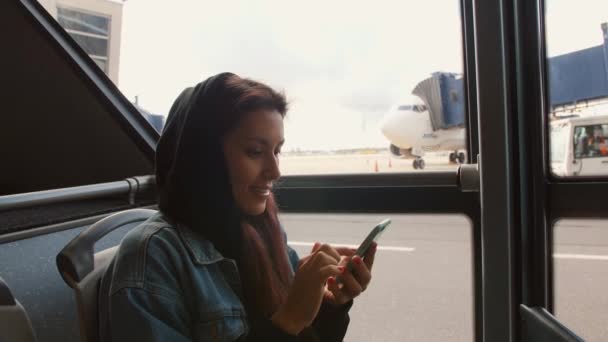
[191,173]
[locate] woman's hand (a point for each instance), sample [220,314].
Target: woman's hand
[353,282]
[308,289]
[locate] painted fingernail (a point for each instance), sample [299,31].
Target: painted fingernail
[331,280]
[341,268]
[357,260]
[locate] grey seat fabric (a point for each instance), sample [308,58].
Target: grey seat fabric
[15,325]
[82,269]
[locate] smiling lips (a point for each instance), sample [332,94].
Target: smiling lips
[263,191]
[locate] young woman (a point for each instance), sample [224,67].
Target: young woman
[214,265]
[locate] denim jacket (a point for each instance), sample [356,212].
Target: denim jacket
[167,283]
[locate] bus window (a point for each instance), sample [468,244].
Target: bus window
[345,73]
[424,263]
[581,143]
[579,262]
[590,141]
[577,87]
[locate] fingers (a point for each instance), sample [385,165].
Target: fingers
[325,248]
[304,260]
[329,250]
[331,262]
[328,271]
[345,251]
[370,256]
[326,264]
[348,285]
[317,247]
[361,272]
[328,294]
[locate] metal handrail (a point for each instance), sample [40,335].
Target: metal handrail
[128,187]
[413,179]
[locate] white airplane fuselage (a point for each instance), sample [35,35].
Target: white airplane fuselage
[411,131]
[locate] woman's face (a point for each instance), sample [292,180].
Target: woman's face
[252,152]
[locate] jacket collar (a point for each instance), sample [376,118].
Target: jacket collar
[201,250]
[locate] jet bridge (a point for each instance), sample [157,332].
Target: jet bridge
[443,95]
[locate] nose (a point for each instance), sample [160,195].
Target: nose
[272,170]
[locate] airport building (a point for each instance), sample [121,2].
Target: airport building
[96,25]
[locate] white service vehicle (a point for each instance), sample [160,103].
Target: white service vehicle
[579,146]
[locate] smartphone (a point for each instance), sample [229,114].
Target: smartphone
[372,237]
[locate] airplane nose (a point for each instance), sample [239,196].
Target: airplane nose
[394,127]
[388,125]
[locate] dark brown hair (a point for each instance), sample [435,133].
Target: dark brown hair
[263,262]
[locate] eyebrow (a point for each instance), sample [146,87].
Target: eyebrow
[264,141]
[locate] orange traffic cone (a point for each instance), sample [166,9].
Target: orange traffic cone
[376,166]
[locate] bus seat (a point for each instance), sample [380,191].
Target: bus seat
[82,269]
[15,324]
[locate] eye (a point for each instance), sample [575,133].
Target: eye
[254,152]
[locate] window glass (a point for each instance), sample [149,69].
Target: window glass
[422,284]
[101,63]
[590,141]
[577,56]
[361,101]
[580,263]
[92,45]
[90,31]
[83,22]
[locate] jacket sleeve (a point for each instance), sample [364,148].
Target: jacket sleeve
[332,321]
[265,330]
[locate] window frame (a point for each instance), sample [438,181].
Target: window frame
[542,197]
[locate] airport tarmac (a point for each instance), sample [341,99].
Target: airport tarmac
[422,287]
[358,163]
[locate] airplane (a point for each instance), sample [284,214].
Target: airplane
[416,127]
[409,130]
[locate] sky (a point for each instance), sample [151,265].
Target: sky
[574,25]
[341,64]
